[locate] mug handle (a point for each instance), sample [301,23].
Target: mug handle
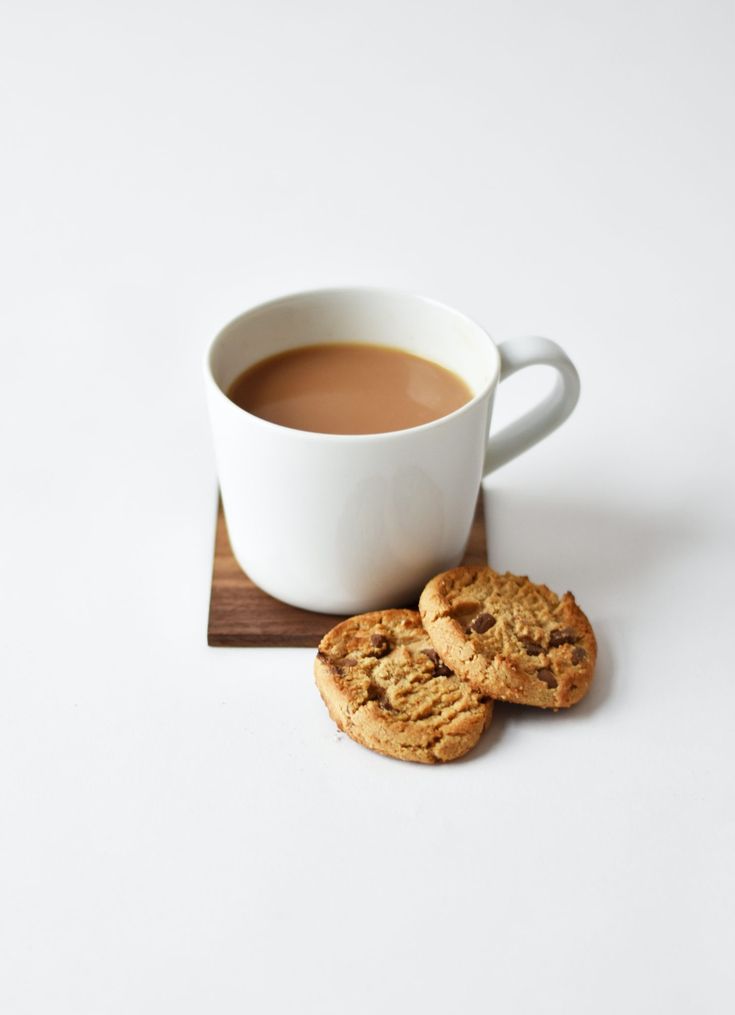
[539,422]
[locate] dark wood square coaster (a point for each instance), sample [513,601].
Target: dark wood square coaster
[241,614]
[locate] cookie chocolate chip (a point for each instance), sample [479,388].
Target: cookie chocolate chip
[563,636]
[483,622]
[532,647]
[547,676]
[377,693]
[381,644]
[440,668]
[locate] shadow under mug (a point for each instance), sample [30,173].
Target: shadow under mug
[344,524]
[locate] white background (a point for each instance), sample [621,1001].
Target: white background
[182,828]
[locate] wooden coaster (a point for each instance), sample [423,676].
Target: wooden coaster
[241,614]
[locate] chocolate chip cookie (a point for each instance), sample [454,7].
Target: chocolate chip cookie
[385,685]
[509,638]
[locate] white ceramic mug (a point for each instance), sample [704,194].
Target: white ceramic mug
[343,524]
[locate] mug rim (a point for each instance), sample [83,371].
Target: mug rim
[346,438]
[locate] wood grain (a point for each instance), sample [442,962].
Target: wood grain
[242,615]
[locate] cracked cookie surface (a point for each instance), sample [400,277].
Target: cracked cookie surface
[385,686]
[510,638]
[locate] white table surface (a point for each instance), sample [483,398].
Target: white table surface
[183,830]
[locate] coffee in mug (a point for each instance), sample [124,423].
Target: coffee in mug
[348,388]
